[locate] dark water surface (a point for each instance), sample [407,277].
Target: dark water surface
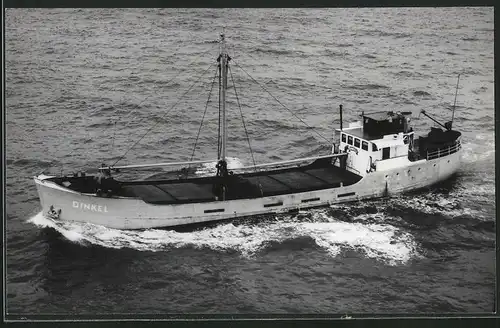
[71,74]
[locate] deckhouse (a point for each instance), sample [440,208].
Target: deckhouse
[381,141]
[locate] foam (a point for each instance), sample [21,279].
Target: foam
[437,205]
[484,189]
[71,234]
[380,241]
[375,240]
[449,206]
[480,149]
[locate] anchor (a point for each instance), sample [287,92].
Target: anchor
[53,214]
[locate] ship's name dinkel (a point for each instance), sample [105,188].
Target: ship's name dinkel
[90,207]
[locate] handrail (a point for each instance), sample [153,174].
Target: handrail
[154,165]
[440,152]
[214,161]
[443,150]
[289,161]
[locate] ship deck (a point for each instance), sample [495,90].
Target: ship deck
[318,175]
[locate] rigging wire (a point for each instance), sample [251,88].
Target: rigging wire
[113,140]
[279,102]
[161,118]
[269,80]
[155,92]
[242,119]
[173,78]
[135,107]
[204,113]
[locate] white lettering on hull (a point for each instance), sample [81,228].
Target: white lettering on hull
[90,207]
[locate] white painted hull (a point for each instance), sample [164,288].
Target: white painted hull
[129,213]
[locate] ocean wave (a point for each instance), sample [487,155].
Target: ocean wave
[407,102]
[480,90]
[274,51]
[333,53]
[485,121]
[395,34]
[408,74]
[306,142]
[134,78]
[316,149]
[101,110]
[362,101]
[372,86]
[165,83]
[431,204]
[344,45]
[32,162]
[379,241]
[209,41]
[109,124]
[479,151]
[486,189]
[411,210]
[270,124]
[470,71]
[420,93]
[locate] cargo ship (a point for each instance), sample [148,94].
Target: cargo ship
[377,156]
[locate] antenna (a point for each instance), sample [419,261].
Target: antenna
[455,102]
[341,117]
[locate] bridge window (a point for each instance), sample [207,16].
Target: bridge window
[386,152]
[349,140]
[374,147]
[364,145]
[343,137]
[356,142]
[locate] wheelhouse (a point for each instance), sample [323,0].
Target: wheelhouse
[380,141]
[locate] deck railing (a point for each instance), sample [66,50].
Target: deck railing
[441,152]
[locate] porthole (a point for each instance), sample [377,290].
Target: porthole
[434,164]
[386,176]
[397,173]
[419,168]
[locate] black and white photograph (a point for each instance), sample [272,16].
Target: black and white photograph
[204,161]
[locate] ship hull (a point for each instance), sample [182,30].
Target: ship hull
[134,213]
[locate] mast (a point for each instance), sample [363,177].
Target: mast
[223,62]
[455,102]
[222,172]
